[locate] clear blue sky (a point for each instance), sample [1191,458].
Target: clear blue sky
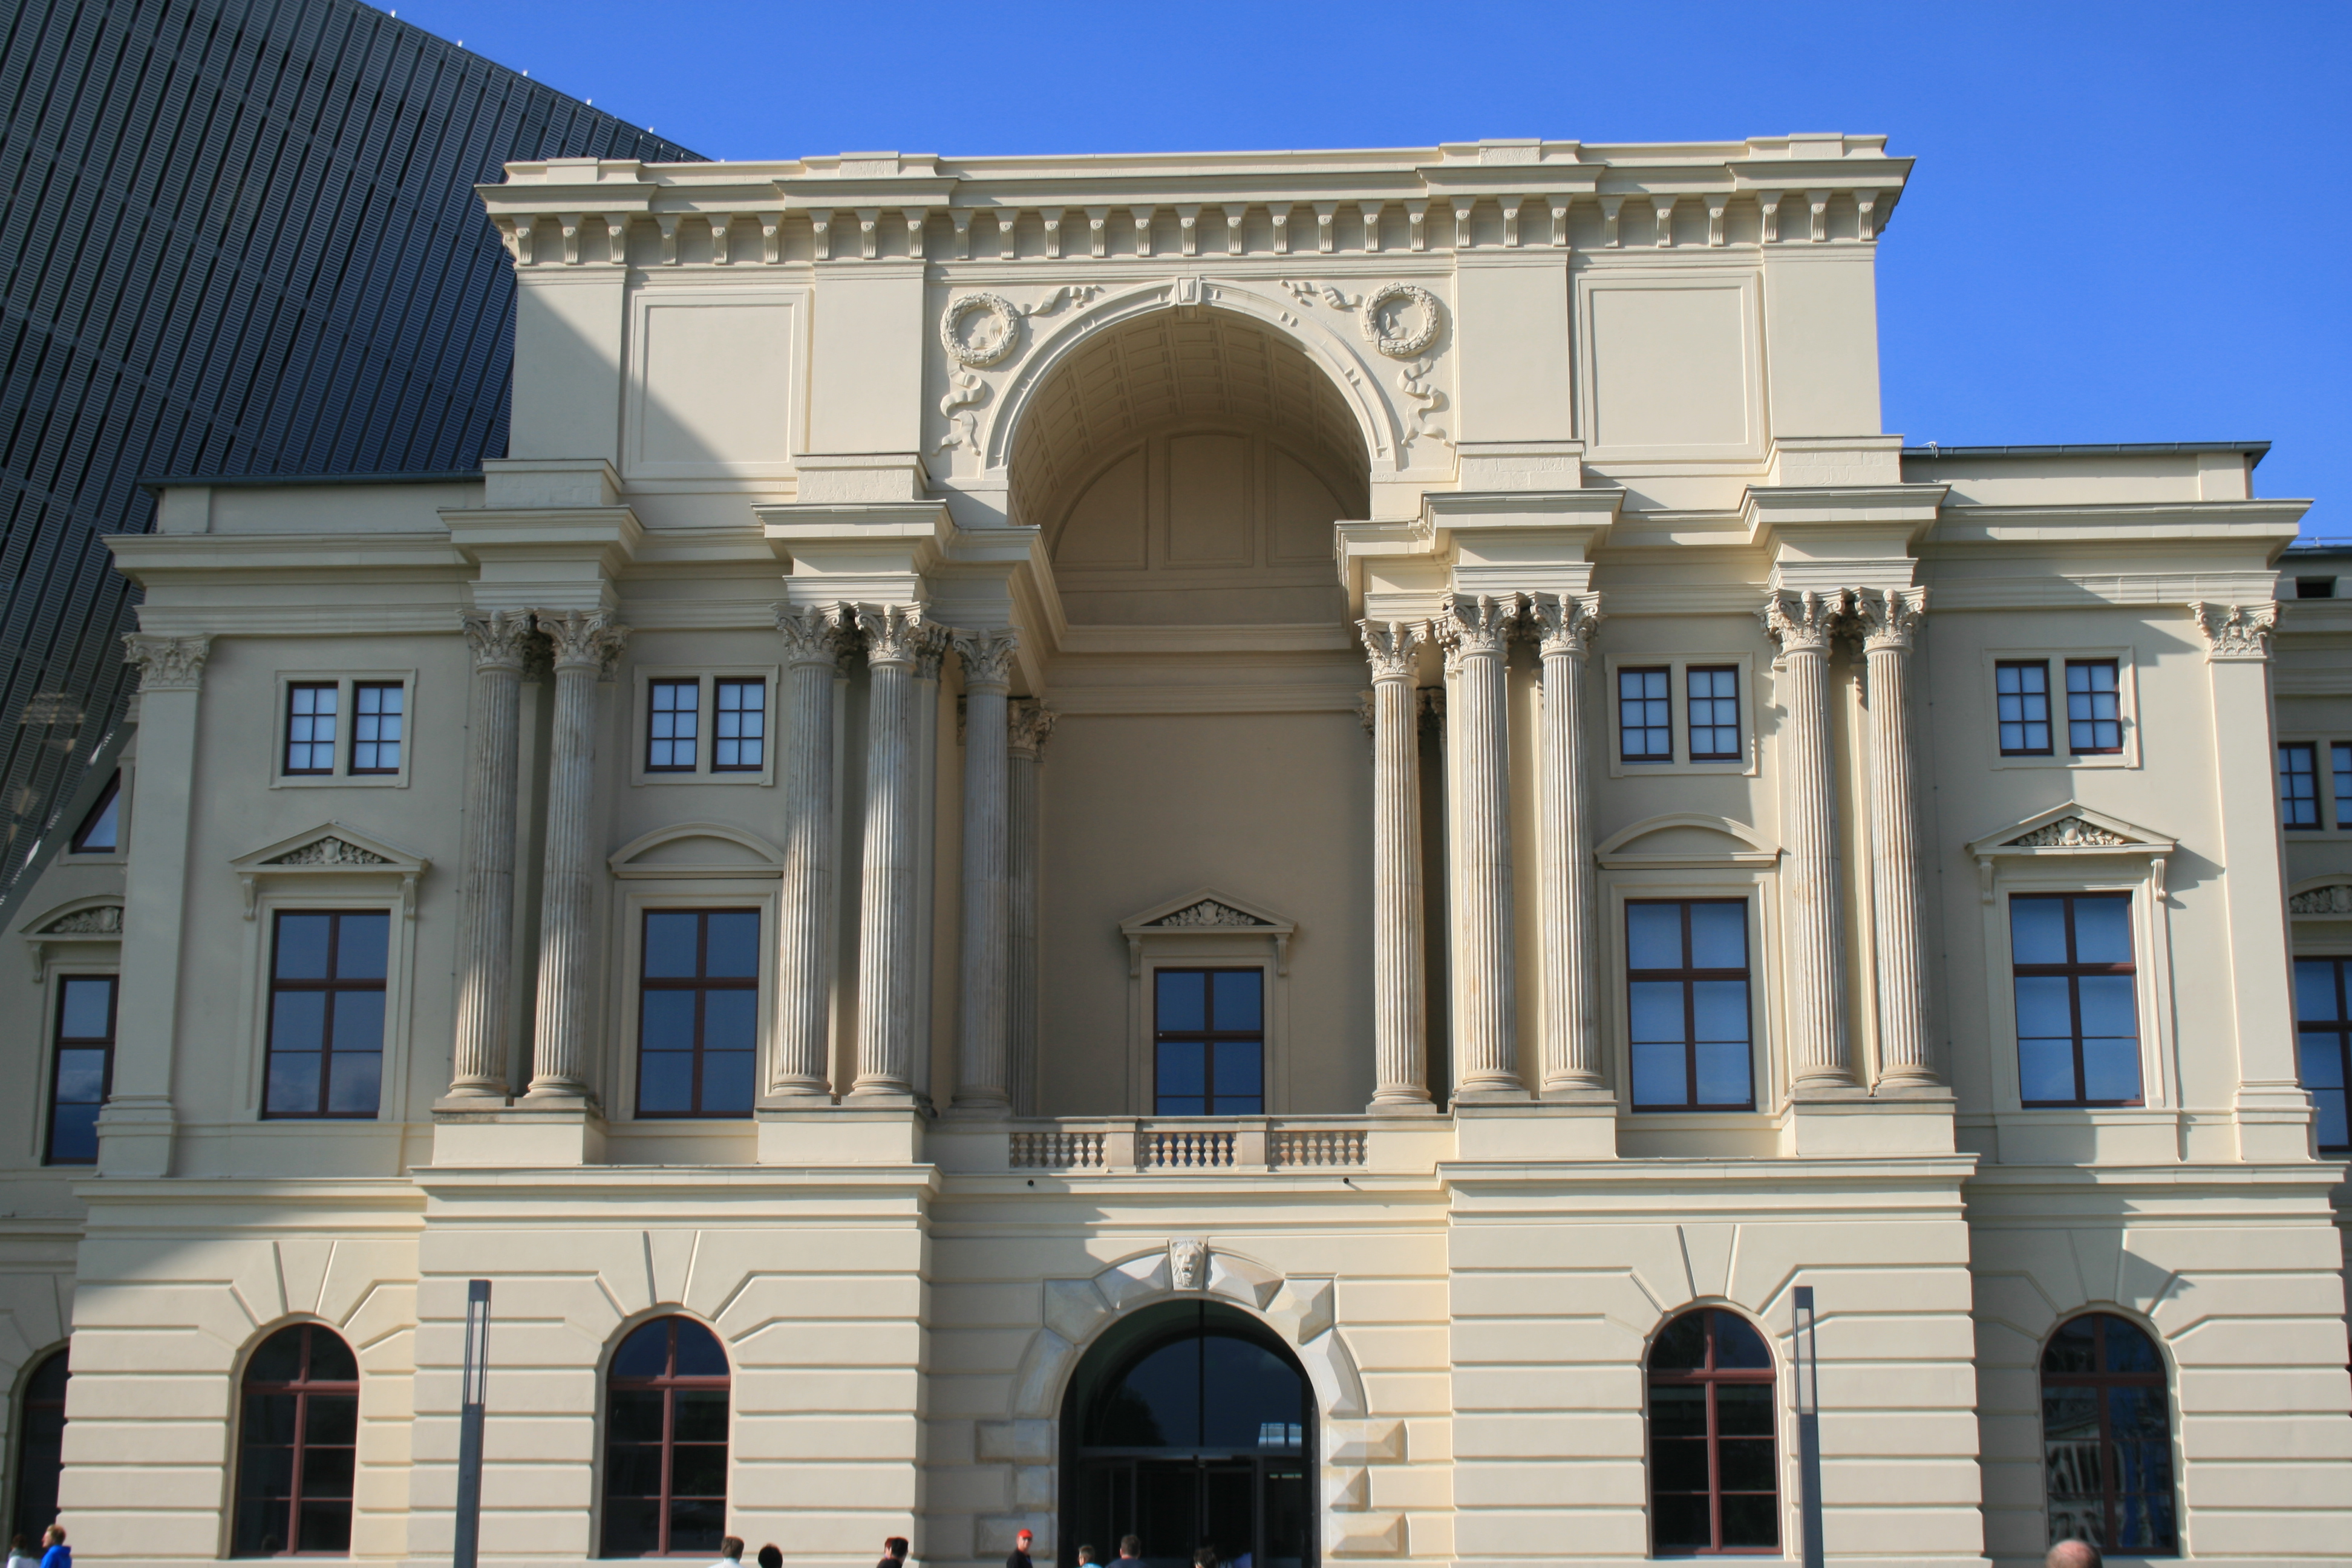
[2129,221]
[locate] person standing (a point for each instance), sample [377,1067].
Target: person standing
[893,1553]
[771,1556]
[55,1552]
[1130,1549]
[731,1553]
[19,1555]
[1018,1556]
[1087,1558]
[2073,1554]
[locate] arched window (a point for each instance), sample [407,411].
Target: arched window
[665,1442]
[40,1446]
[2107,1437]
[1714,1483]
[298,1433]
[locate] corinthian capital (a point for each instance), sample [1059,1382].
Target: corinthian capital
[1028,724]
[1889,616]
[1803,622]
[501,639]
[987,657]
[814,633]
[167,663]
[583,639]
[896,634]
[2236,631]
[1471,624]
[1563,623]
[1389,646]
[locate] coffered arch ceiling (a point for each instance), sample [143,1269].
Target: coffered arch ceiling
[1198,368]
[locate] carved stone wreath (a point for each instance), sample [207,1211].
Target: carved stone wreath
[978,350]
[1408,345]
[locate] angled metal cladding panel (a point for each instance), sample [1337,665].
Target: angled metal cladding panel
[237,238]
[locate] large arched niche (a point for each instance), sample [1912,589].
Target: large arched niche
[1185,468]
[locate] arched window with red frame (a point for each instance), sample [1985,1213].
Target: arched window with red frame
[40,1446]
[665,1442]
[297,1438]
[2107,1437]
[1714,1474]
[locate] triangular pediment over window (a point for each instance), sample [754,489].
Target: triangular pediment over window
[2072,829]
[330,849]
[1206,912]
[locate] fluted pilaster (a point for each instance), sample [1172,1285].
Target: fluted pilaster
[1476,633]
[897,638]
[1889,616]
[1399,1005]
[500,641]
[983,1063]
[1802,623]
[1564,626]
[1027,726]
[585,643]
[814,637]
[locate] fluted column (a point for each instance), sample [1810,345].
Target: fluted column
[1027,725]
[1889,616]
[1400,1004]
[585,644]
[1475,633]
[897,636]
[1802,623]
[983,1062]
[1572,1026]
[812,641]
[499,640]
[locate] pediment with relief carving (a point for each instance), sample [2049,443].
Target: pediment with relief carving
[332,849]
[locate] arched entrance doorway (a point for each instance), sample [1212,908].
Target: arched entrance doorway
[1189,1424]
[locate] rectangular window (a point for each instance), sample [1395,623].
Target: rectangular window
[1645,726]
[102,831]
[2077,1019]
[2021,700]
[2340,758]
[82,1067]
[698,1013]
[1208,1042]
[2298,770]
[378,708]
[670,733]
[2095,724]
[1714,712]
[740,736]
[1686,1000]
[310,727]
[2324,1037]
[326,1012]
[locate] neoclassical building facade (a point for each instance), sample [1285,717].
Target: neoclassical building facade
[1277,851]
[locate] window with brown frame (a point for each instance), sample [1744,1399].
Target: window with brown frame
[673,725]
[326,1012]
[379,717]
[739,739]
[81,1067]
[1712,712]
[698,1013]
[2323,1019]
[1208,1042]
[665,1442]
[2107,1437]
[1713,1486]
[2077,1015]
[2298,776]
[1686,1001]
[2094,718]
[298,1436]
[2022,707]
[310,727]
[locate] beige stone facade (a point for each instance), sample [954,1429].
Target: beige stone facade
[1392,576]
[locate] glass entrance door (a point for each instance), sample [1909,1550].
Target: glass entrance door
[1190,1428]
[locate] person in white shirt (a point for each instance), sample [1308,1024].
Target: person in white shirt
[731,1552]
[19,1555]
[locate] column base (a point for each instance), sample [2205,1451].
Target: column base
[980,1110]
[2273,1122]
[1515,1095]
[1580,1094]
[852,1134]
[135,1135]
[550,1130]
[1853,1125]
[1532,1130]
[1401,1108]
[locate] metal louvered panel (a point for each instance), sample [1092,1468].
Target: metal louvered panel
[237,238]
